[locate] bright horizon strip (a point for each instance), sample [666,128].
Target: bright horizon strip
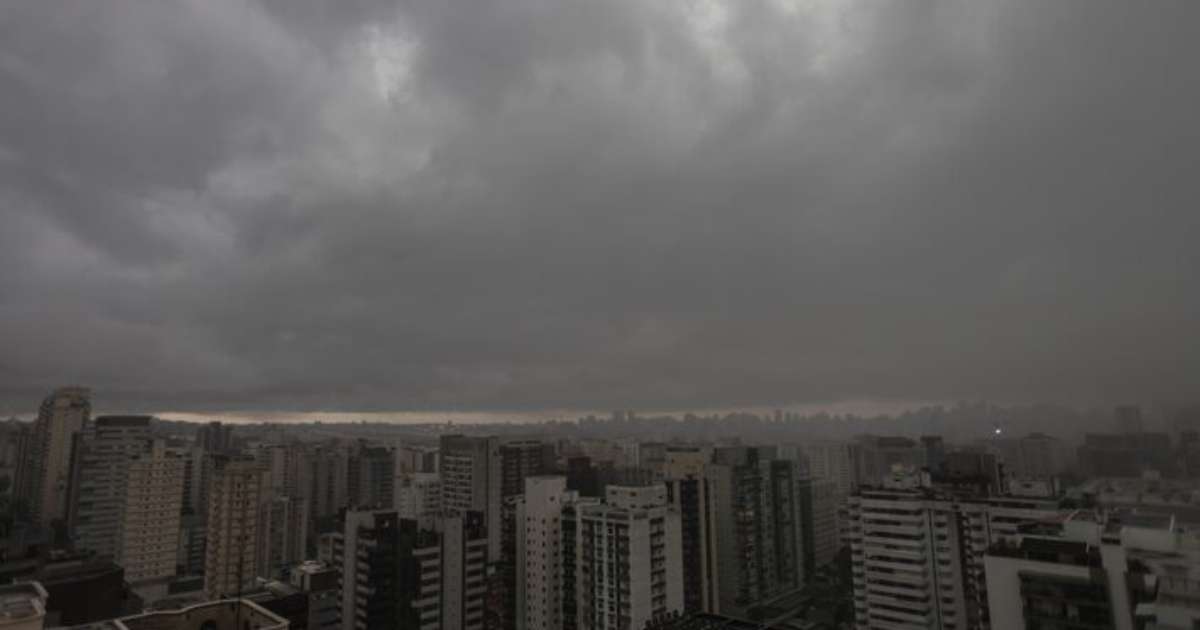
[863,408]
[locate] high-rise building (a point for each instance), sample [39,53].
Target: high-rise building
[424,574]
[837,462]
[935,452]
[193,532]
[628,568]
[876,456]
[521,458]
[328,480]
[215,438]
[283,535]
[540,600]
[758,529]
[1040,456]
[471,480]
[818,505]
[320,582]
[100,478]
[150,519]
[688,492]
[418,494]
[1108,569]
[918,550]
[44,475]
[415,459]
[291,473]
[239,487]
[904,549]
[371,476]
[14,440]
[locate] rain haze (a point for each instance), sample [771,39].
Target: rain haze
[526,205]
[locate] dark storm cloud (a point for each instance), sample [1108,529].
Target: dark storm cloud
[537,203]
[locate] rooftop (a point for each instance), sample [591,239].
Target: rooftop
[19,602]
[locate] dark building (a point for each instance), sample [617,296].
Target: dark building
[405,573]
[81,590]
[583,477]
[570,573]
[385,576]
[935,452]
[371,476]
[501,610]
[980,471]
[284,600]
[215,437]
[520,459]
[876,455]
[755,505]
[690,495]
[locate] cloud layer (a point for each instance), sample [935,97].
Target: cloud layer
[297,204]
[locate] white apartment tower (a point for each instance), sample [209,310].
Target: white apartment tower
[628,559]
[918,551]
[418,494]
[540,599]
[150,526]
[239,486]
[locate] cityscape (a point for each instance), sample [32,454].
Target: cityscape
[599,315]
[131,521]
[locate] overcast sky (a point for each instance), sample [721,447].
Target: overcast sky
[308,204]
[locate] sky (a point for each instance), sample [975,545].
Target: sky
[580,204]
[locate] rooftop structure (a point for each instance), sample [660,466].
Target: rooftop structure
[22,606]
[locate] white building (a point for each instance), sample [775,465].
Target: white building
[918,551]
[628,562]
[418,494]
[239,487]
[540,599]
[1117,569]
[150,524]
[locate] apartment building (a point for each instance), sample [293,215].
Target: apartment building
[627,559]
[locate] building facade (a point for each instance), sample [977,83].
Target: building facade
[150,520]
[240,486]
[471,480]
[758,527]
[627,559]
[100,478]
[43,477]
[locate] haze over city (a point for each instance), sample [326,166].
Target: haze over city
[511,206]
[599,315]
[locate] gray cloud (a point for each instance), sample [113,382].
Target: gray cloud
[529,203]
